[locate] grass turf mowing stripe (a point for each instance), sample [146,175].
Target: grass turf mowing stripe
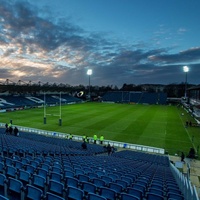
[152,125]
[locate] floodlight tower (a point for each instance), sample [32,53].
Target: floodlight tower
[186,70]
[89,73]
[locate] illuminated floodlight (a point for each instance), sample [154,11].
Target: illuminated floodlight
[89,72]
[186,69]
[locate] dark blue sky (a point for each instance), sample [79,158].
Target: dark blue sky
[122,41]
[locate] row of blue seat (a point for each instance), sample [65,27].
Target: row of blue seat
[13,101]
[123,175]
[44,144]
[136,97]
[95,174]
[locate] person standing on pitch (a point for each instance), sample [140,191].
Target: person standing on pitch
[101,139]
[70,136]
[95,138]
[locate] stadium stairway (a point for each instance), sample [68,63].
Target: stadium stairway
[194,165]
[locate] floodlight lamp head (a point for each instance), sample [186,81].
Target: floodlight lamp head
[89,72]
[185,68]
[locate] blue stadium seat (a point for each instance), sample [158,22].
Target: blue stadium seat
[156,191]
[116,187]
[92,175]
[11,171]
[2,168]
[175,196]
[123,183]
[56,187]
[136,192]
[69,173]
[8,161]
[34,163]
[51,196]
[30,168]
[92,196]
[88,187]
[98,182]
[44,173]
[107,179]
[25,160]
[127,179]
[75,193]
[1,158]
[140,187]
[39,182]
[56,170]
[156,186]
[67,166]
[70,181]
[87,170]
[100,173]
[78,171]
[173,189]
[107,193]
[18,164]
[153,196]
[3,197]
[45,166]
[24,176]
[33,193]
[3,185]
[82,177]
[125,196]
[15,189]
[55,176]
[113,176]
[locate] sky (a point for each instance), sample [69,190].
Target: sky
[122,41]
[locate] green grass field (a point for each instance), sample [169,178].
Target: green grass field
[151,125]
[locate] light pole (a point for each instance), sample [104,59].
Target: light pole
[89,73]
[186,70]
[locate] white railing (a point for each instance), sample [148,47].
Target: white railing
[189,191]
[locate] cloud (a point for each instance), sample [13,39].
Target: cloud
[189,55]
[38,46]
[182,30]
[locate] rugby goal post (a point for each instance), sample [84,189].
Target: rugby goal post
[57,115]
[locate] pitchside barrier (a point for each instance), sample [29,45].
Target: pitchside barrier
[80,138]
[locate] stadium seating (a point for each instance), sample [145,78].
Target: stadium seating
[38,168]
[135,97]
[17,101]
